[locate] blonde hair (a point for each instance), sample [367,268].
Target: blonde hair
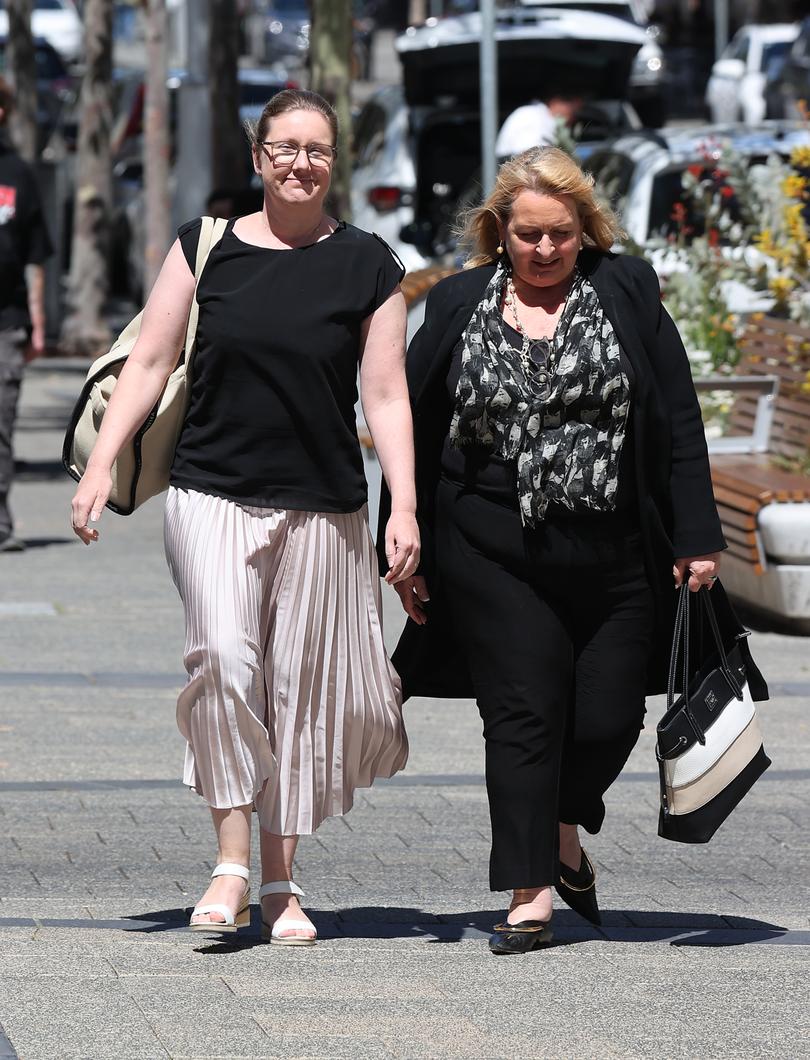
[549,171]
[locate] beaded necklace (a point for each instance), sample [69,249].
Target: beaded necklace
[529,367]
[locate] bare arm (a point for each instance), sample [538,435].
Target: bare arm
[139,385]
[35,281]
[384,394]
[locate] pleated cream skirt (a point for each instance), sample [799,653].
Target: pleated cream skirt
[291,701]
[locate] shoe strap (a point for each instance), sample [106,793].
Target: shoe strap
[288,924]
[223,910]
[230,868]
[280,887]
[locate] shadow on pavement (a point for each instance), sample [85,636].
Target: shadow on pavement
[46,542]
[387,922]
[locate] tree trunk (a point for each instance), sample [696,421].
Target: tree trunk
[228,143]
[21,66]
[156,141]
[85,331]
[330,68]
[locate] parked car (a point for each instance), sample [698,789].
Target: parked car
[736,87]
[642,176]
[647,89]
[418,146]
[791,92]
[57,22]
[55,88]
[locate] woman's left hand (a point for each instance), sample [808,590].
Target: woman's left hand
[401,546]
[702,571]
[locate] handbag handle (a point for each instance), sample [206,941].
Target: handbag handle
[680,644]
[705,596]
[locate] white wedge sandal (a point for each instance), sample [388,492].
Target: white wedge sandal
[272,932]
[233,921]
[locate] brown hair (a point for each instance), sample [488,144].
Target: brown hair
[6,98]
[549,171]
[285,101]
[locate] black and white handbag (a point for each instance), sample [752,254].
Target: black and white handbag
[709,746]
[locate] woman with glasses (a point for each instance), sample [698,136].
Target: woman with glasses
[291,702]
[562,480]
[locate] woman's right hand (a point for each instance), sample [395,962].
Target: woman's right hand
[413,592]
[88,502]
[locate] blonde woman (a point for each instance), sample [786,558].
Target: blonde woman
[291,702]
[562,480]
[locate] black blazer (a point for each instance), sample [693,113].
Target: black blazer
[677,513]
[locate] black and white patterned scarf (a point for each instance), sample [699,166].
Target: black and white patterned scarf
[564,425]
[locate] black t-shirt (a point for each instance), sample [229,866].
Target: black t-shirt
[495,478]
[271,418]
[24,238]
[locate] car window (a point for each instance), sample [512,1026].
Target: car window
[774,52]
[48,5]
[612,173]
[369,134]
[738,49]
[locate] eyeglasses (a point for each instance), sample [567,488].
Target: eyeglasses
[285,152]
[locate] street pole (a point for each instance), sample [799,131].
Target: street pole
[193,167]
[489,95]
[720,27]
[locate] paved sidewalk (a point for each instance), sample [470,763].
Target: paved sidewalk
[704,950]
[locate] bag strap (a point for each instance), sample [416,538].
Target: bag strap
[729,675]
[211,231]
[680,644]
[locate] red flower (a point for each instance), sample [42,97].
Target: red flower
[727,192]
[714,237]
[695,170]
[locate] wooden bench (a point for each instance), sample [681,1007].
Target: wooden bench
[761,471]
[776,353]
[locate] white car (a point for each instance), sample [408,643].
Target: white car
[418,145]
[58,22]
[735,91]
[647,85]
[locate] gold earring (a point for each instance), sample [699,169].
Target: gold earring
[499,248]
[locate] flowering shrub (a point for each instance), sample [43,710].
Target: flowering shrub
[735,223]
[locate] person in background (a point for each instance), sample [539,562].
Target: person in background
[24,245]
[536,124]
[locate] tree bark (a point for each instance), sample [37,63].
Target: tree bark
[85,331]
[330,55]
[22,69]
[228,144]
[156,141]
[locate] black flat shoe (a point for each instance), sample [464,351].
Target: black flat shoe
[578,889]
[520,938]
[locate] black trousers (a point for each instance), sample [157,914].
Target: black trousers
[557,623]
